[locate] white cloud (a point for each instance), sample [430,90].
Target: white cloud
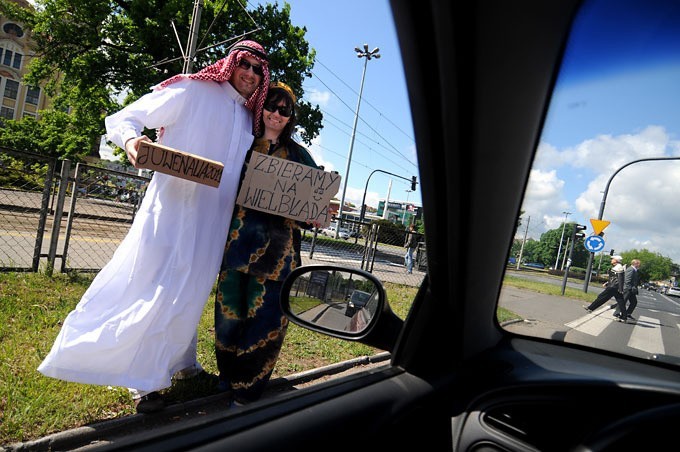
[642,199]
[317,152]
[318,97]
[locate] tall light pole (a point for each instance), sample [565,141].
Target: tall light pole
[367,55]
[559,249]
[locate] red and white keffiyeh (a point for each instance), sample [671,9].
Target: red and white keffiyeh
[222,70]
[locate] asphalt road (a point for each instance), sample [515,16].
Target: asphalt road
[654,333]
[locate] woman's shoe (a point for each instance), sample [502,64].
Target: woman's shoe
[150,403]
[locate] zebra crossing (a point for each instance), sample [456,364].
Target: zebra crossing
[646,334]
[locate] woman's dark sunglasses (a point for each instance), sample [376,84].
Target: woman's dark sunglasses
[245,64]
[283,110]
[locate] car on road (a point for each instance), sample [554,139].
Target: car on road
[356,301]
[673,291]
[490,83]
[330,232]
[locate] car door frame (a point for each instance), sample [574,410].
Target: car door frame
[465,94]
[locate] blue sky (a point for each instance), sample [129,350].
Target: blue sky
[617,100]
[384,134]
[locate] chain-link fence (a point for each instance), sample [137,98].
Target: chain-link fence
[26,186]
[73,219]
[56,216]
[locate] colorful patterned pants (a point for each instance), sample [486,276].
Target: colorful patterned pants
[249,332]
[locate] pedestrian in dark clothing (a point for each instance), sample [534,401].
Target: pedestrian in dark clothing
[613,287]
[631,280]
[410,244]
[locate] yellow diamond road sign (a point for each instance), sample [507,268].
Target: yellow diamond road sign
[598,225]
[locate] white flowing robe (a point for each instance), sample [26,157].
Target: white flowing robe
[134,325]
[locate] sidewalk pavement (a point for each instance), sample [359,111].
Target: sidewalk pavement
[107,432]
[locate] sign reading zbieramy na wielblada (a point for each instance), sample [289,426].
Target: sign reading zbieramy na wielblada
[177,163]
[289,189]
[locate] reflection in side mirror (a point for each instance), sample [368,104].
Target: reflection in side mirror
[342,302]
[335,300]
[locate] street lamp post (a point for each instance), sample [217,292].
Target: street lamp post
[604,200]
[559,249]
[367,55]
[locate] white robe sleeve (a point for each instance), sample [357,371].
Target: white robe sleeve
[156,109]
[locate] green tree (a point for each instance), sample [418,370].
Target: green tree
[550,244]
[531,252]
[515,248]
[88,51]
[653,266]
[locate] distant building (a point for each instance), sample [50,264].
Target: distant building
[399,212]
[18,100]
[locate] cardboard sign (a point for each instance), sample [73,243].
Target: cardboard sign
[289,189]
[171,161]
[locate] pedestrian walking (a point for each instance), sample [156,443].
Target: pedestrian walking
[410,244]
[613,286]
[631,280]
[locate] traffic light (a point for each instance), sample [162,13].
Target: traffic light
[577,234]
[611,253]
[413,183]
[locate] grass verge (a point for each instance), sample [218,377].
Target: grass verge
[33,306]
[32,309]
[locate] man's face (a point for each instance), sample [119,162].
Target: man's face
[244,79]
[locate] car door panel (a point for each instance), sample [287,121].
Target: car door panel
[480,77]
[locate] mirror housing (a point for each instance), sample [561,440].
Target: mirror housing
[347,303]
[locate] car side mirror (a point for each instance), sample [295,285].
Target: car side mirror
[346,303]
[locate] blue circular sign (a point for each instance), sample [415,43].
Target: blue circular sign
[594,243]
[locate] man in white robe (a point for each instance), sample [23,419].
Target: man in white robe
[135,326]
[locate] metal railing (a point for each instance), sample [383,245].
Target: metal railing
[56,216]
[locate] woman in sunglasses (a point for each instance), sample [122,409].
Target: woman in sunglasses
[261,251]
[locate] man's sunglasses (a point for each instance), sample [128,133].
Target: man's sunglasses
[283,110]
[245,64]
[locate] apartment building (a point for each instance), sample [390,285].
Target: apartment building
[18,100]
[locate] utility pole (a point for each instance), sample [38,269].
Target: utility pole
[564,256]
[193,37]
[403,220]
[387,200]
[557,259]
[521,249]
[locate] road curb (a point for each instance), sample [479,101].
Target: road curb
[81,437]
